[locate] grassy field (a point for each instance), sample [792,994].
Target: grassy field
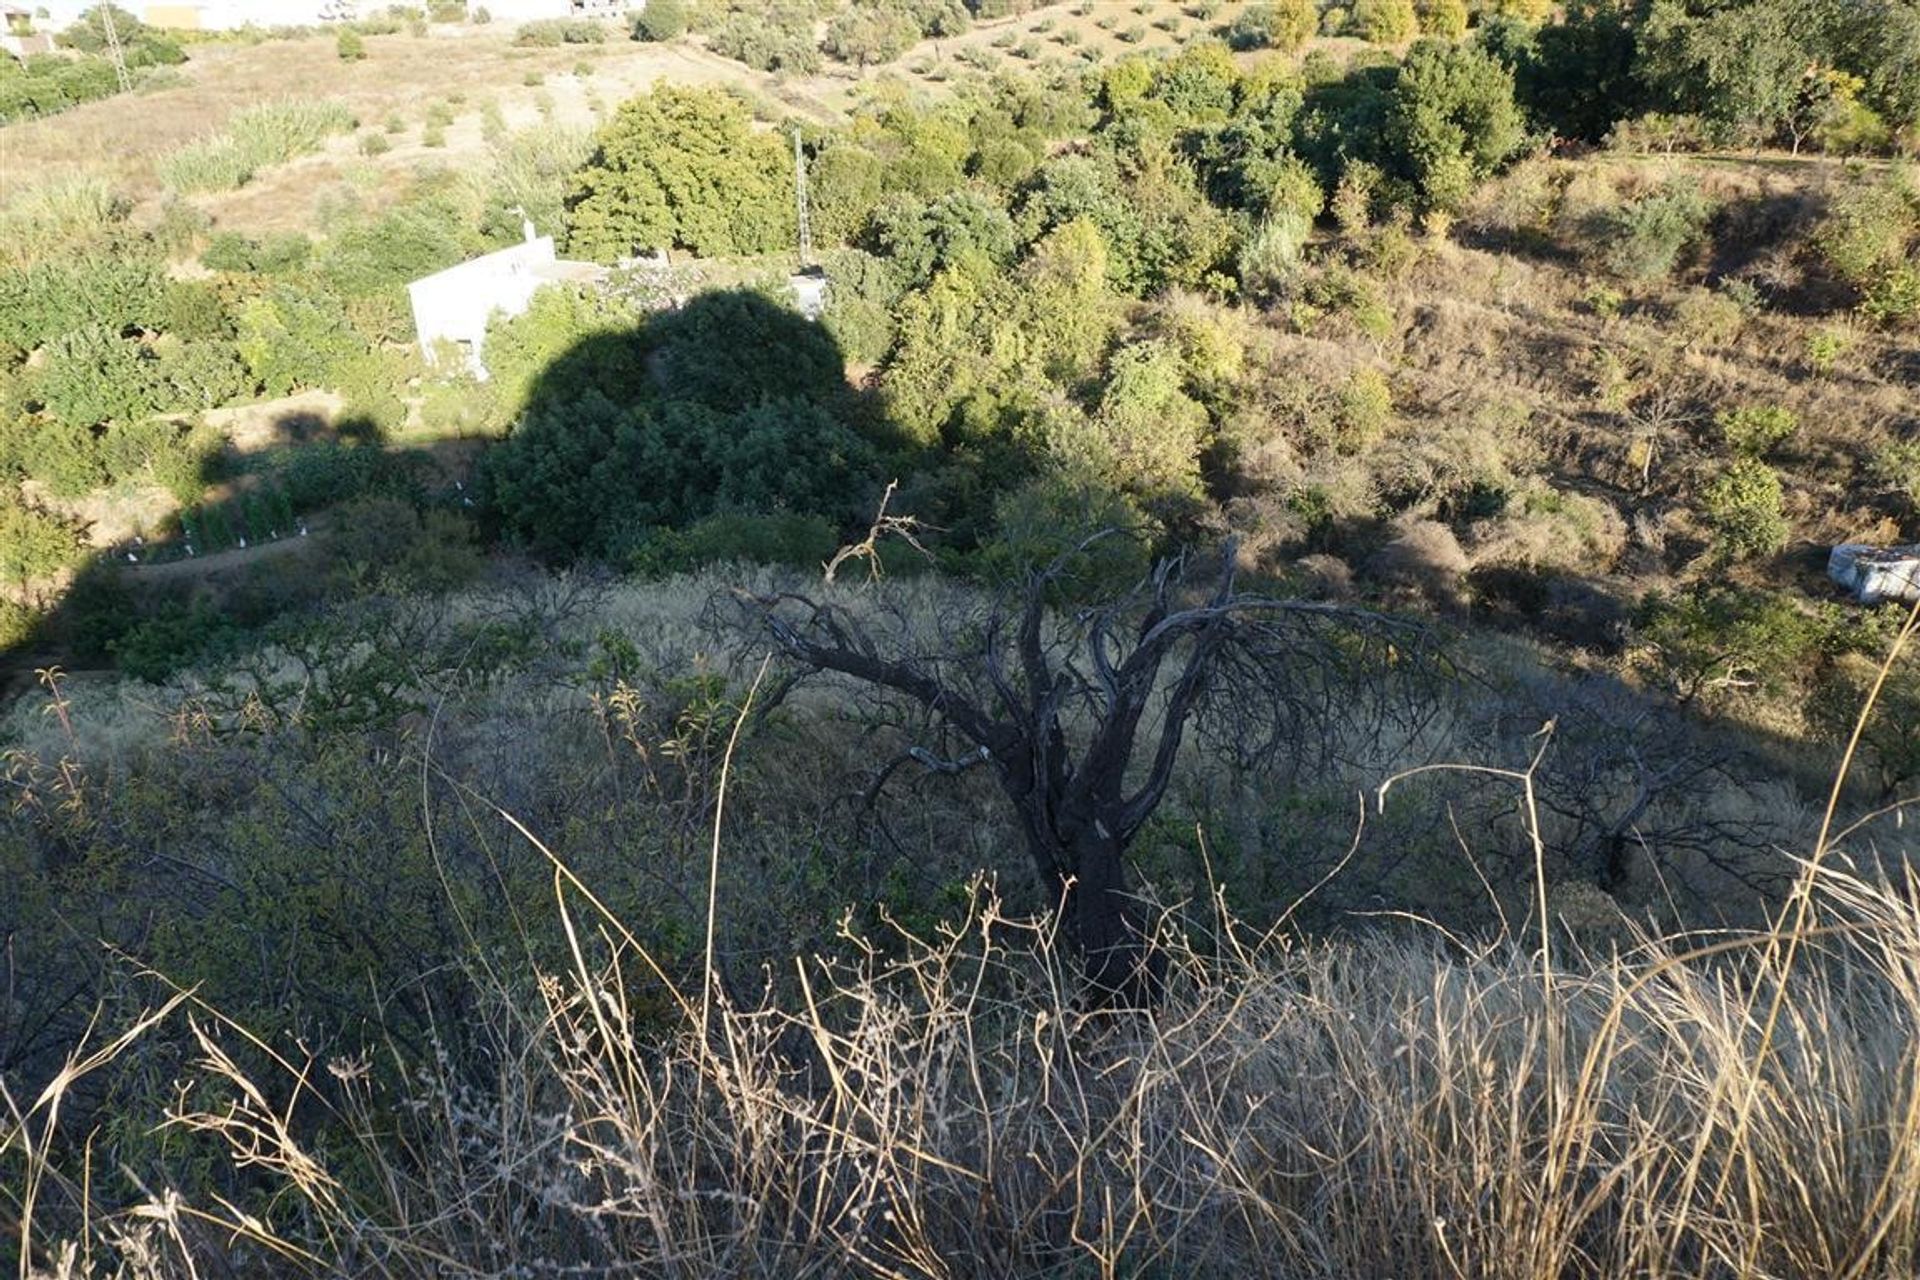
[462,68]
[122,140]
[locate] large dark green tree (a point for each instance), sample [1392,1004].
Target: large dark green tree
[1740,66]
[1453,120]
[684,169]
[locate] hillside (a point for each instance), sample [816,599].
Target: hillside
[1258,694]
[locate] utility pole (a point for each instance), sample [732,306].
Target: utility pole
[800,201]
[115,53]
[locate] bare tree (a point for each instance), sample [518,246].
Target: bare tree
[1081,716]
[1630,783]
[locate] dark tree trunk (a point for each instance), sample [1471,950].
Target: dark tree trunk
[1120,960]
[1105,924]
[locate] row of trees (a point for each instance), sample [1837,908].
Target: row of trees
[1827,73]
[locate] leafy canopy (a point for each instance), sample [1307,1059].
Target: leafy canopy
[682,168]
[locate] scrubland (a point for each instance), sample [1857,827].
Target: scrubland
[427,853]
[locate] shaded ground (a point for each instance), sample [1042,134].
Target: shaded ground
[233,558]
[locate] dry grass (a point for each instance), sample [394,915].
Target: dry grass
[939,1106]
[121,141]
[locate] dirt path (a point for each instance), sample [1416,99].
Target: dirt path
[220,561]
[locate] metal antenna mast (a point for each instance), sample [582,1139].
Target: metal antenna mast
[800,201]
[115,53]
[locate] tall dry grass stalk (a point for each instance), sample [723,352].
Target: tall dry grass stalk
[940,1107]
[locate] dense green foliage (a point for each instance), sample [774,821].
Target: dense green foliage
[682,168]
[660,20]
[731,404]
[49,83]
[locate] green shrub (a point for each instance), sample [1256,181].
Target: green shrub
[34,544]
[1452,121]
[1824,350]
[1643,240]
[1896,467]
[184,466]
[383,543]
[323,475]
[783,538]
[1713,640]
[231,251]
[201,375]
[551,33]
[1444,18]
[1894,298]
[1385,21]
[1865,233]
[1365,410]
[94,375]
[683,167]
[1742,506]
[660,20]
[860,304]
[1753,431]
[65,458]
[866,36]
[1053,515]
[777,39]
[173,638]
[256,138]
[294,339]
[349,45]
[134,450]
[18,623]
[1280,24]
[588,326]
[374,144]
[50,299]
[743,424]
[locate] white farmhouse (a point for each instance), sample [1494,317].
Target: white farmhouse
[453,307]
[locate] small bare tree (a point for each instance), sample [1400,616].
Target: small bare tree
[1082,715]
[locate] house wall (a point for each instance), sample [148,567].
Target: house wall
[175,17]
[456,304]
[24,47]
